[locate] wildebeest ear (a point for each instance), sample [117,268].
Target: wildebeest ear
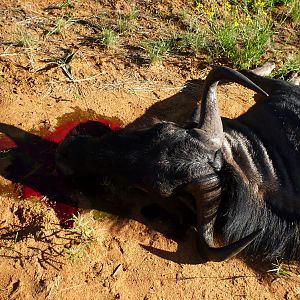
[217,161]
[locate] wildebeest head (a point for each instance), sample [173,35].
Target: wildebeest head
[167,158]
[161,159]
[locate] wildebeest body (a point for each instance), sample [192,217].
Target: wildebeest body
[242,173]
[262,152]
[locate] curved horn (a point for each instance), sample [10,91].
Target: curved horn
[207,116]
[207,196]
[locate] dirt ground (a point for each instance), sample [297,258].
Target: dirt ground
[36,258]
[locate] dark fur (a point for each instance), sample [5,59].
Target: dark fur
[240,214]
[275,121]
[265,145]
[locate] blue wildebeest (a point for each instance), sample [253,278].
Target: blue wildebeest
[243,174]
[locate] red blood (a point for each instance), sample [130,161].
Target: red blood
[63,211]
[6,143]
[60,133]
[28,192]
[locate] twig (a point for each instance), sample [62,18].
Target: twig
[11,54]
[76,80]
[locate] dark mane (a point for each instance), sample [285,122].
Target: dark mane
[241,213]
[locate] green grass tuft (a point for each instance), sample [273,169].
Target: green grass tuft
[157,50]
[83,238]
[127,22]
[107,38]
[25,39]
[282,269]
[235,32]
[59,24]
[195,41]
[295,11]
[291,65]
